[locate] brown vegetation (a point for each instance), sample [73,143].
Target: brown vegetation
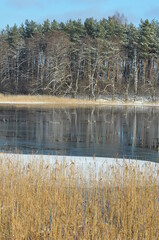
[45,100]
[58,102]
[38,99]
[62,201]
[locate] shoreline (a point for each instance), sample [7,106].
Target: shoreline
[49,101]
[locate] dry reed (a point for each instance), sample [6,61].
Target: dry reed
[43,100]
[64,201]
[52,101]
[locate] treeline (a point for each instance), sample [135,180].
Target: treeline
[95,58]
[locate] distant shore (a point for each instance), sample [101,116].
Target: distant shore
[29,100]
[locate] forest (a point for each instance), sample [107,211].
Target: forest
[91,59]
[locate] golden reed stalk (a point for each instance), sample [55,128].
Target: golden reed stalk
[64,201]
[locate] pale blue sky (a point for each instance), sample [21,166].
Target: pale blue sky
[17,11]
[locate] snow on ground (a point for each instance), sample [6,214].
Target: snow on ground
[93,164]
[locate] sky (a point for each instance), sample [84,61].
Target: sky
[17,11]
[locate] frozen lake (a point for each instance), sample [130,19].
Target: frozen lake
[132,132]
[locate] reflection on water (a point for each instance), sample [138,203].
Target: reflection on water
[100,131]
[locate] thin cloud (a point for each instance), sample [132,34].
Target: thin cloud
[81,14]
[24,3]
[153,13]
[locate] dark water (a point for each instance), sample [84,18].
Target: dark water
[101,131]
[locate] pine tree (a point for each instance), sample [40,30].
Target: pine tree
[91,27]
[30,28]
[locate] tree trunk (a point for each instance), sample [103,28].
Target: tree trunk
[144,73]
[135,74]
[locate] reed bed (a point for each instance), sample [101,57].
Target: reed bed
[43,99]
[60,102]
[62,200]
